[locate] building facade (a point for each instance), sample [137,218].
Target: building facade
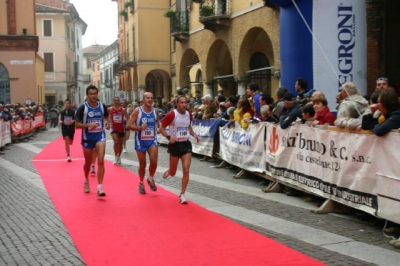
[20,69]
[218,46]
[60,31]
[108,59]
[89,54]
[144,48]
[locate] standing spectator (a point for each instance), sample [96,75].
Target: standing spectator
[210,107]
[53,117]
[291,111]
[197,96]
[253,93]
[351,99]
[244,113]
[301,89]
[280,104]
[382,83]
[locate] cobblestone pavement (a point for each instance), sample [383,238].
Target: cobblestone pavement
[32,233]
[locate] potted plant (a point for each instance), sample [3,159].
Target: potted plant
[128,4]
[169,13]
[124,13]
[206,11]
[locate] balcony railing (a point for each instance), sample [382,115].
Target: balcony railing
[86,79]
[179,25]
[215,15]
[125,61]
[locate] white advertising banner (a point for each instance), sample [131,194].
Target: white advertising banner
[345,167]
[339,27]
[206,130]
[244,148]
[5,136]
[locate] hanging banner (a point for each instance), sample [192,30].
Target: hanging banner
[205,129]
[339,26]
[335,165]
[244,148]
[5,136]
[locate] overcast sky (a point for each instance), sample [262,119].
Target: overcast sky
[101,16]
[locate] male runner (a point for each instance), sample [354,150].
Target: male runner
[67,123]
[92,117]
[117,114]
[179,147]
[144,120]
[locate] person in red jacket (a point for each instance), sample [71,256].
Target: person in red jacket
[322,113]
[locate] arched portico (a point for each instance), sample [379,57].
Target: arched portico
[158,82]
[4,84]
[219,69]
[257,57]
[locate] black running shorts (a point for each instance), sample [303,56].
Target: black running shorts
[68,132]
[179,149]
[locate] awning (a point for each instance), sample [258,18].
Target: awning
[224,77]
[259,69]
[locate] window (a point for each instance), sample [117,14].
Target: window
[47,30]
[77,41]
[48,62]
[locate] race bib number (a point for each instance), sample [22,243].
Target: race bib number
[97,128]
[148,134]
[182,133]
[117,118]
[67,120]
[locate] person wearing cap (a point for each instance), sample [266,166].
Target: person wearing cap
[382,83]
[291,110]
[279,105]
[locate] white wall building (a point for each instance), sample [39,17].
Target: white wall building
[108,58]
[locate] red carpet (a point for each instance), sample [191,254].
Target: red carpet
[126,228]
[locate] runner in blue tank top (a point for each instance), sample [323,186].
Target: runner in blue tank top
[144,120]
[92,117]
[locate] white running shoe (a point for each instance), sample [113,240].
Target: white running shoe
[92,170]
[116,160]
[124,150]
[119,160]
[69,159]
[182,199]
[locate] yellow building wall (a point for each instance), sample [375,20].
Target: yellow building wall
[152,33]
[40,89]
[56,44]
[247,19]
[242,5]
